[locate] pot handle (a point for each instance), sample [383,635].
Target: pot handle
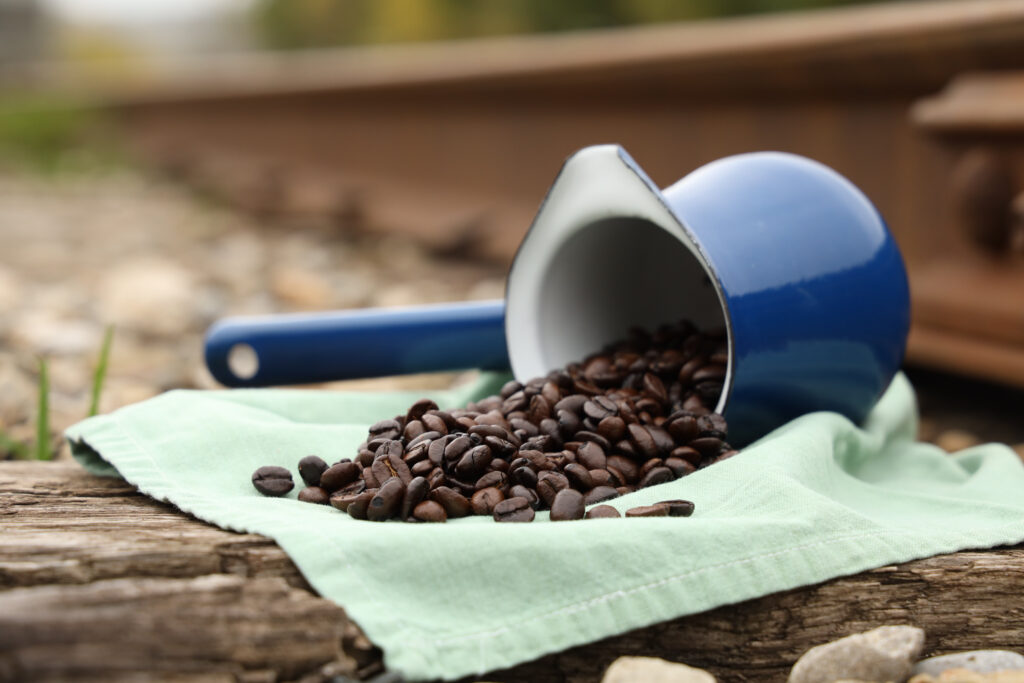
[301,348]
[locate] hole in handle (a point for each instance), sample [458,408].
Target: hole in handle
[243,362]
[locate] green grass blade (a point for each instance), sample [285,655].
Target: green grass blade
[101,371]
[43,419]
[19,449]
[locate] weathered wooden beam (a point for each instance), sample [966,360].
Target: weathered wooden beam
[98,582]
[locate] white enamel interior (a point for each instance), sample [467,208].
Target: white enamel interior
[604,254]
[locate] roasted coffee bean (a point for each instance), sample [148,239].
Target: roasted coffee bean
[657,475]
[678,508]
[591,456]
[551,391]
[422,438]
[341,501]
[310,469]
[433,423]
[429,511]
[710,371]
[474,461]
[510,387]
[707,446]
[454,503]
[528,494]
[568,505]
[690,455]
[624,466]
[539,409]
[368,477]
[484,500]
[625,448]
[656,510]
[513,510]
[524,476]
[662,440]
[549,484]
[579,477]
[339,475]
[679,467]
[413,429]
[624,490]
[418,409]
[500,447]
[602,512]
[650,465]
[655,388]
[612,428]
[436,478]
[422,468]
[615,477]
[272,480]
[600,493]
[600,407]
[415,493]
[573,403]
[585,435]
[389,429]
[387,502]
[357,508]
[314,494]
[455,450]
[602,477]
[495,478]
[643,441]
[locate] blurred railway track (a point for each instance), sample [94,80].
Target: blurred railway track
[920,104]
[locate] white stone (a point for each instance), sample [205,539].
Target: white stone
[653,670]
[982,661]
[883,654]
[152,295]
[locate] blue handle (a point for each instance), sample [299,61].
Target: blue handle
[303,348]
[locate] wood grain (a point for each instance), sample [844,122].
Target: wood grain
[98,582]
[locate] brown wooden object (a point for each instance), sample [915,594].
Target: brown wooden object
[100,583]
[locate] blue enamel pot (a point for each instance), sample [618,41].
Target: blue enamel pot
[786,255]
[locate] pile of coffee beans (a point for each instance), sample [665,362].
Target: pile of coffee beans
[637,414]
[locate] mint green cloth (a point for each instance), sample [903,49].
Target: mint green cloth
[816,499]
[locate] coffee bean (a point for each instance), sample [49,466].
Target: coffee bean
[528,494]
[595,438]
[389,429]
[339,475]
[484,500]
[656,510]
[474,461]
[602,512]
[650,465]
[513,510]
[314,494]
[357,508]
[524,476]
[679,467]
[573,403]
[310,469]
[413,429]
[601,477]
[711,371]
[690,455]
[415,493]
[567,506]
[707,446]
[643,441]
[510,387]
[272,480]
[600,493]
[626,467]
[678,508]
[612,428]
[434,423]
[387,502]
[422,468]
[549,484]
[495,478]
[455,450]
[429,511]
[418,409]
[342,501]
[454,504]
[657,475]
[579,477]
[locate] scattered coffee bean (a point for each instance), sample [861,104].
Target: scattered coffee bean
[568,505]
[272,480]
[602,512]
[648,511]
[513,510]
[678,508]
[310,469]
[314,494]
[634,415]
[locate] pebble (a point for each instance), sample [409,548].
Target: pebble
[653,670]
[968,676]
[982,661]
[886,653]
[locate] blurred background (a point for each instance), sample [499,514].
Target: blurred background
[166,163]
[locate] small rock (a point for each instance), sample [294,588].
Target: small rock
[886,653]
[300,288]
[653,670]
[982,661]
[151,294]
[967,676]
